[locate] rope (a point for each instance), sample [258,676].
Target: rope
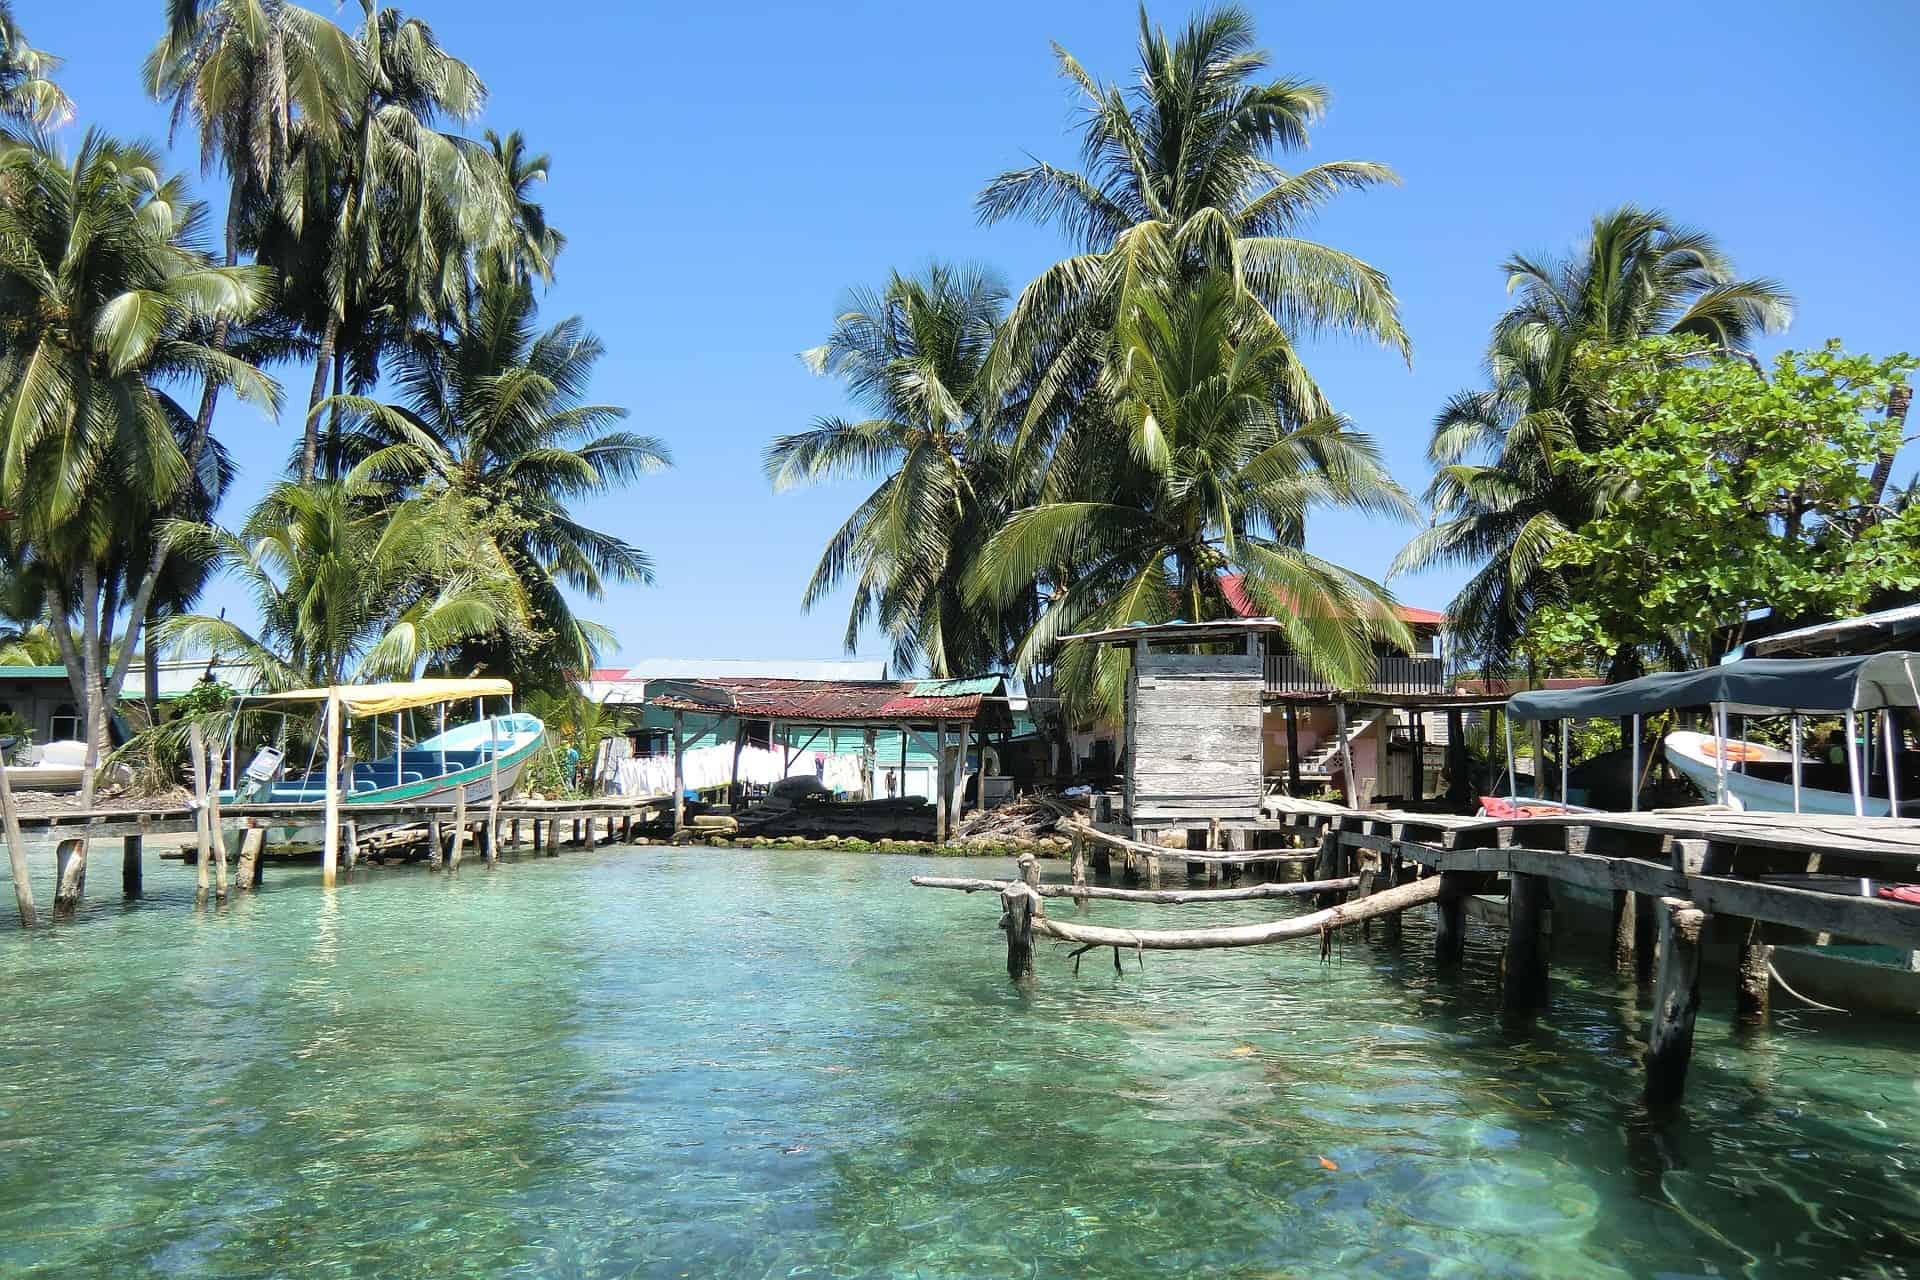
[1797,996]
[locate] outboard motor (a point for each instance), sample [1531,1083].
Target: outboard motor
[257,782]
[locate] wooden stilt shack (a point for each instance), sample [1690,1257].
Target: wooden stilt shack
[949,720]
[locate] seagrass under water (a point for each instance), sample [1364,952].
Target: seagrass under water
[690,1063]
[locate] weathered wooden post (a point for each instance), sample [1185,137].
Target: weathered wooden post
[459,828]
[216,827]
[1450,939]
[553,837]
[1019,904]
[16,853]
[69,877]
[590,843]
[1625,921]
[1327,866]
[435,843]
[1389,877]
[1029,869]
[1756,979]
[330,838]
[539,844]
[939,781]
[1646,935]
[1213,846]
[247,870]
[679,777]
[130,869]
[1526,984]
[1293,750]
[1079,864]
[197,763]
[350,844]
[493,792]
[1352,796]
[1675,1002]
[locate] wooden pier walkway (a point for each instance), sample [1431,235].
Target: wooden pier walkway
[1674,877]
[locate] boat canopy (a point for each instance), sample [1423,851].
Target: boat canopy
[1750,686]
[398,695]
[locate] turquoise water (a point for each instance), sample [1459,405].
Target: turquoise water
[678,1063]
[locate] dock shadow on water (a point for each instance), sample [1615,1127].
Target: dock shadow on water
[664,1062]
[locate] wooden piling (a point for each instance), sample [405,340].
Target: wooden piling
[1625,921]
[216,827]
[197,766]
[553,837]
[16,853]
[1029,870]
[1755,988]
[1389,878]
[330,825]
[70,874]
[1525,989]
[1646,927]
[1450,939]
[679,777]
[539,829]
[1676,1002]
[247,871]
[350,844]
[590,833]
[1327,865]
[130,869]
[436,845]
[459,828]
[1019,904]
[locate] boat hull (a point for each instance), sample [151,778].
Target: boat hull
[1691,755]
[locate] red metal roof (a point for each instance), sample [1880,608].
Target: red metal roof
[827,701]
[1238,602]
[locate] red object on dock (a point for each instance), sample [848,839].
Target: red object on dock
[1901,892]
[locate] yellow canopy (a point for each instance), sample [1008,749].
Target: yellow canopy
[398,695]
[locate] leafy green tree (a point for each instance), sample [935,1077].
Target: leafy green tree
[351,584]
[1217,479]
[1177,180]
[913,356]
[1509,480]
[495,412]
[1729,491]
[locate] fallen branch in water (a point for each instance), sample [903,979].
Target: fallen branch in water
[1383,903]
[1165,897]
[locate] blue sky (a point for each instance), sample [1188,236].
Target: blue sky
[724,173]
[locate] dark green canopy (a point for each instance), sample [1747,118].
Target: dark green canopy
[1751,686]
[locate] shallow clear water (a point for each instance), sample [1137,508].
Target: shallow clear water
[692,1063]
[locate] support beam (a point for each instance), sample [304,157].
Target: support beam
[247,870]
[1526,983]
[679,773]
[130,869]
[1450,939]
[940,782]
[330,839]
[459,828]
[1293,750]
[1625,926]
[202,842]
[1755,988]
[16,853]
[1677,1001]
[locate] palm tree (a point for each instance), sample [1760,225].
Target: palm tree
[495,412]
[1208,476]
[350,584]
[1177,180]
[532,245]
[1505,489]
[104,297]
[28,94]
[913,355]
[383,214]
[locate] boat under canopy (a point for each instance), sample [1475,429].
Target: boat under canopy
[1750,686]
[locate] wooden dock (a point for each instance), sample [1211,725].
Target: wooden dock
[444,834]
[1674,877]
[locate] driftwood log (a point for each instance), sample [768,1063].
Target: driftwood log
[1398,898]
[1163,897]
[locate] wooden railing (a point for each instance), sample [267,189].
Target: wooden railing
[1392,673]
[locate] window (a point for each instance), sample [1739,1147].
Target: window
[65,723]
[758,733]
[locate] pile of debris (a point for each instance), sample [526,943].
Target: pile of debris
[1030,818]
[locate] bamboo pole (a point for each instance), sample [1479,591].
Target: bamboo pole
[16,853]
[1398,898]
[197,761]
[1158,897]
[330,837]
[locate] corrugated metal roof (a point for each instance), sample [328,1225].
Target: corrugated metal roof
[833,701]
[957,688]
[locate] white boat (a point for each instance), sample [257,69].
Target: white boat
[57,766]
[1759,777]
